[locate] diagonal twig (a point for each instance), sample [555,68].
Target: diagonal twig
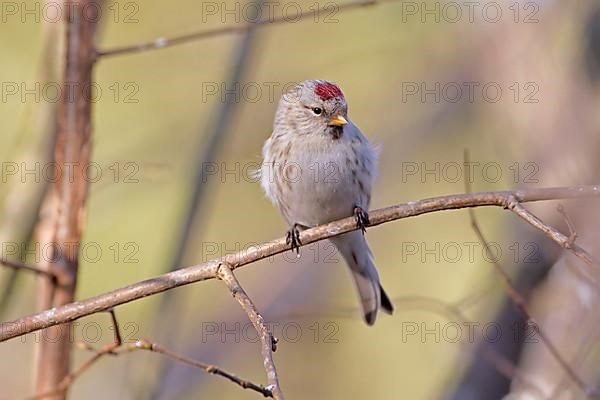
[522,306]
[144,344]
[268,341]
[18,265]
[513,205]
[520,301]
[565,242]
[117,348]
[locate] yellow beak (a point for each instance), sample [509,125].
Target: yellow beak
[338,120]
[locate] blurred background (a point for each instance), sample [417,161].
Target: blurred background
[176,141]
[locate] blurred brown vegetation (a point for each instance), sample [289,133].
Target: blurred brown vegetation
[375,54]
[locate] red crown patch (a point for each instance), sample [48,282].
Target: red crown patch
[328,91]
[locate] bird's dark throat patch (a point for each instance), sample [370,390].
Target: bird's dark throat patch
[335,132]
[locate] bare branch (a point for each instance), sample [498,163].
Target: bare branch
[163,42]
[268,341]
[116,348]
[208,368]
[520,301]
[208,270]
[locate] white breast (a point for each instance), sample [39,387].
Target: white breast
[318,179]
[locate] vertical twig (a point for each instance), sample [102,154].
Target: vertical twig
[63,211]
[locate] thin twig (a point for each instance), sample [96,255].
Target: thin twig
[572,231]
[144,344]
[520,301]
[163,42]
[208,270]
[562,240]
[70,378]
[116,348]
[18,265]
[565,242]
[268,341]
[522,306]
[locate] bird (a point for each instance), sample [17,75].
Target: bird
[318,167]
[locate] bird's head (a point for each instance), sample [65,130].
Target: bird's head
[313,107]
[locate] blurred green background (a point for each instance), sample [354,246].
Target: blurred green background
[326,351]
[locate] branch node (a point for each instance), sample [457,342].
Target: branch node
[270,389]
[510,203]
[144,344]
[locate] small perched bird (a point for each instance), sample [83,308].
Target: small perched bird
[318,167]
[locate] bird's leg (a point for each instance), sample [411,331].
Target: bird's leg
[362,218]
[293,238]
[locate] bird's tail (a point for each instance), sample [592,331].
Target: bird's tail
[355,250]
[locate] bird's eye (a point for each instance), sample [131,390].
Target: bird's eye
[317,110]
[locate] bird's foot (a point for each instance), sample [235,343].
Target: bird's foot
[293,239]
[362,218]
